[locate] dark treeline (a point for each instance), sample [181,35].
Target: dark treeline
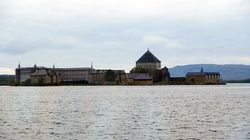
[7,80]
[239,81]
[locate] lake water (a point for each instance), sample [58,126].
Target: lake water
[125,112]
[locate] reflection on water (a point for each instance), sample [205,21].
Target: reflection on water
[137,112]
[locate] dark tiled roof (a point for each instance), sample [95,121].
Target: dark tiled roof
[73,69]
[138,76]
[148,57]
[195,74]
[26,68]
[202,73]
[40,73]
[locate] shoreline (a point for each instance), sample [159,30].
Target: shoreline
[114,85]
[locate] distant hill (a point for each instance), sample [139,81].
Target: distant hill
[7,80]
[228,71]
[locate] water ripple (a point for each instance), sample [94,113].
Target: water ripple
[99,112]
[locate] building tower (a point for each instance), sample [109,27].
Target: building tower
[165,74]
[148,61]
[18,73]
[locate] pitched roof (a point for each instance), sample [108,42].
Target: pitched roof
[148,57]
[196,74]
[202,73]
[138,76]
[40,73]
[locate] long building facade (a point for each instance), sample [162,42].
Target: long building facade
[74,74]
[67,75]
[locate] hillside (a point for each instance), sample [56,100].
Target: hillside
[228,71]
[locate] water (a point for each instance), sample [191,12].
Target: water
[136,112]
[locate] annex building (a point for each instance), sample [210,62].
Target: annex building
[203,77]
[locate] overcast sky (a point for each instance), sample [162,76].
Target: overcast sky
[115,33]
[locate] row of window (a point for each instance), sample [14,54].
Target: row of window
[212,77]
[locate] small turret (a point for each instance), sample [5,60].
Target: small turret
[19,66]
[165,74]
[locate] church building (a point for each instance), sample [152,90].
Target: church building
[150,66]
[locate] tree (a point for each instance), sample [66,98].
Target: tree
[40,81]
[26,82]
[109,76]
[157,75]
[139,70]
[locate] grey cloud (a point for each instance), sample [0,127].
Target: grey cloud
[73,36]
[10,50]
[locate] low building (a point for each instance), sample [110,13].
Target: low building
[203,77]
[139,79]
[97,76]
[45,77]
[23,74]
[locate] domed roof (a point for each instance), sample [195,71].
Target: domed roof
[148,57]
